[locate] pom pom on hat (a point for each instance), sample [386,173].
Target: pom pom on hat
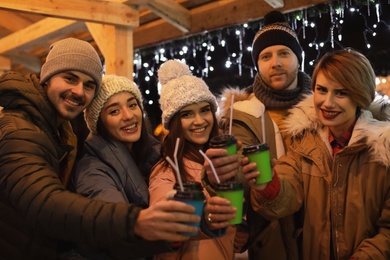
[180,88]
[172,69]
[276,31]
[72,54]
[111,85]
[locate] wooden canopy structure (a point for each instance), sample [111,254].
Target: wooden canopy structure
[115,27]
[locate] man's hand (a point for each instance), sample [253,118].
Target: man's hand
[225,166]
[165,220]
[250,173]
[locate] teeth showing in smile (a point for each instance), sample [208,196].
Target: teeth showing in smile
[72,102]
[199,130]
[129,127]
[330,113]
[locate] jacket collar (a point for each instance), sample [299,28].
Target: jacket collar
[375,133]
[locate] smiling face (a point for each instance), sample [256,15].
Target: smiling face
[278,67]
[197,122]
[70,92]
[122,117]
[333,105]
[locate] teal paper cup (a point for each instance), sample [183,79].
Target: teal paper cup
[195,198]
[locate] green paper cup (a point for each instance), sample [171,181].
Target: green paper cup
[226,141]
[234,192]
[260,155]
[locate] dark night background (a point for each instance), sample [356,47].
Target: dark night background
[353,29]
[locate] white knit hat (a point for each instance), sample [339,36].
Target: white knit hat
[111,84]
[180,88]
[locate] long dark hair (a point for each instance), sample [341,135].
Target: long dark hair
[186,149]
[139,148]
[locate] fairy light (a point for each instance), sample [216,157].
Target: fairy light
[233,44]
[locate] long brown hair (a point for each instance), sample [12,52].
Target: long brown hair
[139,148]
[186,149]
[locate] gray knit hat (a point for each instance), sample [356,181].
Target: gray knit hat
[111,84]
[276,31]
[72,54]
[180,88]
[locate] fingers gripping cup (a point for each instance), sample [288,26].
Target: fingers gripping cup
[226,141]
[194,197]
[259,154]
[234,192]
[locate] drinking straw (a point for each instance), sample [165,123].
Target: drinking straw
[176,168]
[175,152]
[211,164]
[263,126]
[231,115]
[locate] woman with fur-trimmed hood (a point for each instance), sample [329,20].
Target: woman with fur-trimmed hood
[337,170]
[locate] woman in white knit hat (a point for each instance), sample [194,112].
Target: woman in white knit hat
[120,152]
[188,112]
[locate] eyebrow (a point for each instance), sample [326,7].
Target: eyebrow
[206,106]
[117,103]
[76,76]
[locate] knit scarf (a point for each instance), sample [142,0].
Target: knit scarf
[277,99]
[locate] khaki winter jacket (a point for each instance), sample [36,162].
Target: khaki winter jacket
[274,239]
[345,199]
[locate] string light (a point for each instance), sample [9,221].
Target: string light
[203,51]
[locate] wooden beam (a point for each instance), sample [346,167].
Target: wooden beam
[33,35]
[172,12]
[85,10]
[12,21]
[213,16]
[5,64]
[30,62]
[116,45]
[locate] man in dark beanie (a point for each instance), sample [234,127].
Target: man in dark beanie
[37,152]
[278,86]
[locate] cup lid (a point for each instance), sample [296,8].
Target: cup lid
[190,195]
[255,148]
[190,185]
[232,185]
[223,140]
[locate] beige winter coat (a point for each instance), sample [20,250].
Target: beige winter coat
[346,198]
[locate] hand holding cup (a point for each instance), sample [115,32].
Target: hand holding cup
[218,212]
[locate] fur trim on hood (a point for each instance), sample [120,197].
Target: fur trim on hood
[372,124]
[243,101]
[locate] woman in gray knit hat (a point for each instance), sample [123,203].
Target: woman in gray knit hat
[188,113]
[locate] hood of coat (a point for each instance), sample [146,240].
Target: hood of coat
[24,93]
[243,102]
[373,125]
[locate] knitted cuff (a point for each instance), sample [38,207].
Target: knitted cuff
[272,189]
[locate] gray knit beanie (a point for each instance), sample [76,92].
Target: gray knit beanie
[111,85]
[180,88]
[276,31]
[72,54]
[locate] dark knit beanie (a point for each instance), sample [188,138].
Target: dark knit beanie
[276,31]
[72,54]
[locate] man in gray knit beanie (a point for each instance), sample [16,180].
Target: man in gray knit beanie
[72,54]
[37,154]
